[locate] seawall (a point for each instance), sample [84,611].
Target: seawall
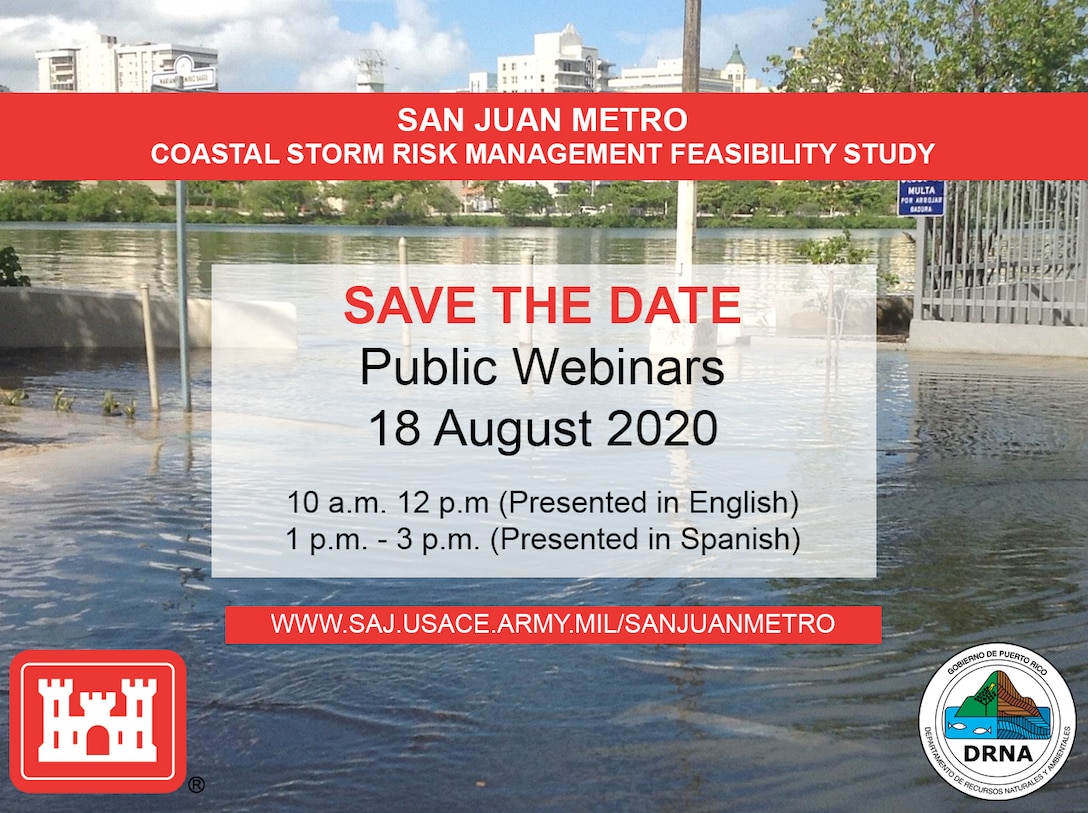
[50,317]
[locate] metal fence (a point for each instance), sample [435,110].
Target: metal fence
[1006,252]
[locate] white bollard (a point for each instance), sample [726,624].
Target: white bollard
[402,254]
[149,344]
[525,335]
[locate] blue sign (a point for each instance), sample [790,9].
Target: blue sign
[921,198]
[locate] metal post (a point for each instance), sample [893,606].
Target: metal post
[149,345]
[919,265]
[1081,260]
[183,296]
[829,357]
[686,190]
[525,335]
[402,255]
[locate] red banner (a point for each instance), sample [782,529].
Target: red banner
[607,136]
[552,625]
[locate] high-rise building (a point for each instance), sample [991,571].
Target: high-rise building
[107,67]
[560,63]
[57,70]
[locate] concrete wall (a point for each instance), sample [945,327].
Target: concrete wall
[1016,340]
[40,317]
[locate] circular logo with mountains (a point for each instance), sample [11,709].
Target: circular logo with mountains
[997,721]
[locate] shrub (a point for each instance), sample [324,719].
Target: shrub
[11,275]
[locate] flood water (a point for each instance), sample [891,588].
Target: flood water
[108,257]
[982,511]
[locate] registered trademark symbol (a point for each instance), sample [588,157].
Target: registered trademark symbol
[196,784]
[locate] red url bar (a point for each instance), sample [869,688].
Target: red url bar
[553,625]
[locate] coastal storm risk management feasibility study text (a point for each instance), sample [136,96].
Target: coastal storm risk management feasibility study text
[631,120]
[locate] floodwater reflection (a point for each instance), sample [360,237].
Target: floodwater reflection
[982,506]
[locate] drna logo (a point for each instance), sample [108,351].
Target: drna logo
[997,721]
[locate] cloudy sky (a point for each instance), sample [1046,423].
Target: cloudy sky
[309,45]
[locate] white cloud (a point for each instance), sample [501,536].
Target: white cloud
[759,32]
[263,44]
[267,53]
[203,13]
[334,75]
[418,54]
[20,37]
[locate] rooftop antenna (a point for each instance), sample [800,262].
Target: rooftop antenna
[371,77]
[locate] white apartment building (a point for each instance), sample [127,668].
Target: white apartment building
[560,63]
[478,82]
[106,67]
[483,82]
[666,77]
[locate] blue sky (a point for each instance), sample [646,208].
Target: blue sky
[290,45]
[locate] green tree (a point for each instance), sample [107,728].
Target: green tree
[93,204]
[136,203]
[795,198]
[730,198]
[1008,45]
[293,200]
[519,199]
[113,201]
[836,250]
[840,250]
[22,204]
[212,194]
[661,198]
[370,202]
[434,197]
[640,198]
[943,45]
[489,191]
[577,196]
[60,191]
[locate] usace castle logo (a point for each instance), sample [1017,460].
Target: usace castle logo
[97,721]
[97,735]
[997,721]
